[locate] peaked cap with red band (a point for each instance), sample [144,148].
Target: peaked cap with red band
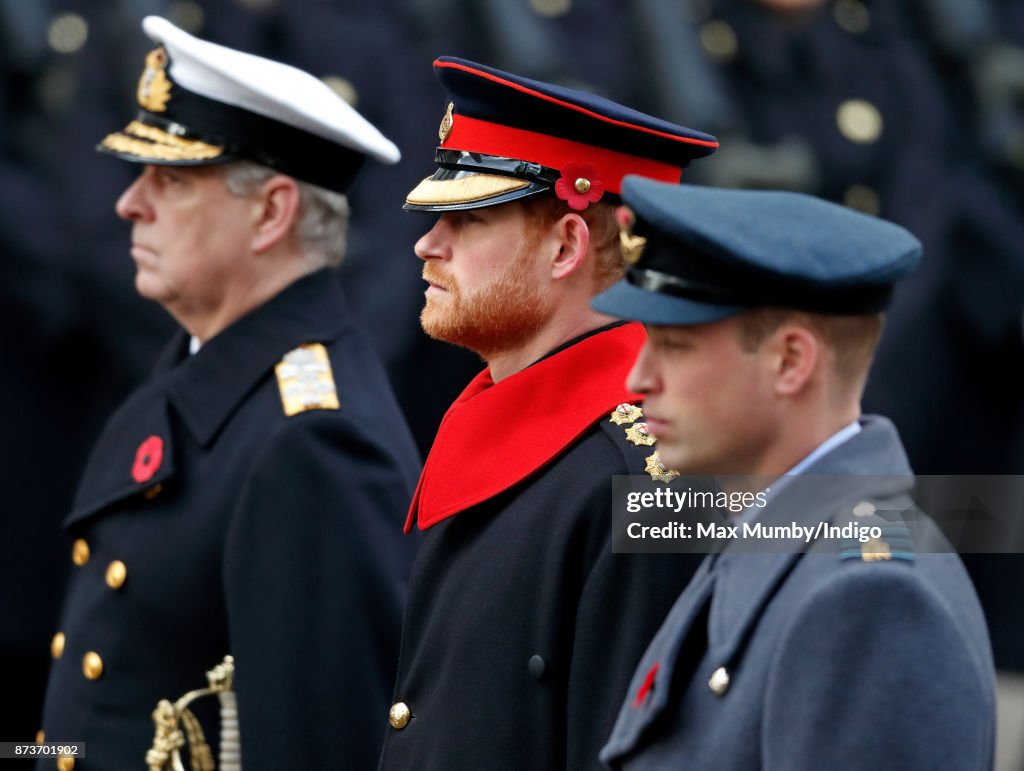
[506,137]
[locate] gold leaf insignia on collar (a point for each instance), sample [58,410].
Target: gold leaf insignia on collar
[154,90]
[305,379]
[632,246]
[625,413]
[657,469]
[875,550]
[446,123]
[639,435]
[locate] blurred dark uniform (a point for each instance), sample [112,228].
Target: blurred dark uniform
[66,299]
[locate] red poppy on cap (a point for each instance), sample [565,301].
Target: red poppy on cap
[579,185]
[148,458]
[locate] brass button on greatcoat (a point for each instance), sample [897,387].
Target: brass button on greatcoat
[92,665]
[65,764]
[80,552]
[399,715]
[57,645]
[40,736]
[116,574]
[152,492]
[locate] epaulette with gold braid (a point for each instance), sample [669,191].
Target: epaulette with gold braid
[305,379]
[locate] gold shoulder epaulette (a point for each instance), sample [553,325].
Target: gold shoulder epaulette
[306,381]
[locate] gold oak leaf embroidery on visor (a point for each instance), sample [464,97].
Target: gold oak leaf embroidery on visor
[150,142]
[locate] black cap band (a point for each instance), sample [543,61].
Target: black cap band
[246,134]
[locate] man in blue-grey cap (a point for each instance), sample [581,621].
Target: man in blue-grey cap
[862,645]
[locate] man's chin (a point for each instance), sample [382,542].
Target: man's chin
[671,457]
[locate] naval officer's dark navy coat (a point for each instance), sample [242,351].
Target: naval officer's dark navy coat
[522,627]
[803,661]
[242,530]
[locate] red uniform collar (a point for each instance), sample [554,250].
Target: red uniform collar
[496,435]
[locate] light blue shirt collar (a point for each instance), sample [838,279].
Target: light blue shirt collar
[842,435]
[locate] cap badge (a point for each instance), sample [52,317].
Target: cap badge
[625,413]
[154,88]
[639,435]
[148,458]
[657,469]
[446,123]
[632,246]
[579,186]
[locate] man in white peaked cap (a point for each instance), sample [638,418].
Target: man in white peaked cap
[246,501]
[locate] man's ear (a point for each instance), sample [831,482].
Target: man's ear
[795,353]
[573,238]
[277,207]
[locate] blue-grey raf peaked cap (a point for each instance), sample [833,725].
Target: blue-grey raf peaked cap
[701,254]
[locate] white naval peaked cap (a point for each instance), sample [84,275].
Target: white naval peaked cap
[203,103]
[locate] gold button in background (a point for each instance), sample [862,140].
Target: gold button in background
[863,198]
[57,645]
[859,121]
[65,764]
[551,9]
[116,574]
[80,552]
[852,16]
[343,87]
[719,40]
[92,665]
[399,715]
[40,736]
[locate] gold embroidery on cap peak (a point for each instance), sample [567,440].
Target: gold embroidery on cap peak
[120,143]
[154,90]
[446,123]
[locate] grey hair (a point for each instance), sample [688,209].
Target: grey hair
[322,226]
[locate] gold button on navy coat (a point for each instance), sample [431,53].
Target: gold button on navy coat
[274,538]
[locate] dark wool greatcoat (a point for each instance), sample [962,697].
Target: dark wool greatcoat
[242,530]
[522,627]
[839,655]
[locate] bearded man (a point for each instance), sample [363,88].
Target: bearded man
[522,626]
